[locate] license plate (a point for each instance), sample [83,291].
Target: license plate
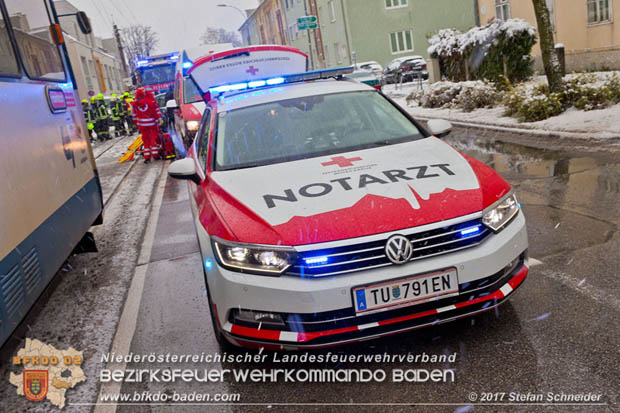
[406,291]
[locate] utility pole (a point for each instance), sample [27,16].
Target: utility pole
[120,49]
[309,38]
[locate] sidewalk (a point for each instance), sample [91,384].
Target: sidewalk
[597,125]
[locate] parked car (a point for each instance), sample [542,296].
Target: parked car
[408,67]
[373,66]
[367,77]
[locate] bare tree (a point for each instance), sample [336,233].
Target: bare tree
[214,36]
[139,42]
[547,46]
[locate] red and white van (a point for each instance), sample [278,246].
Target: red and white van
[326,215]
[188,102]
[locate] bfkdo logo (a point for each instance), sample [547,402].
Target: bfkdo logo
[36,383]
[48,373]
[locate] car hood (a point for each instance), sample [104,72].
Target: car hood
[353,194]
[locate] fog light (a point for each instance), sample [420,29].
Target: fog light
[259,317]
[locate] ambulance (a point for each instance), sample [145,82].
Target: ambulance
[327,215]
[188,103]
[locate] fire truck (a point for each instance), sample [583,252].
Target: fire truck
[156,72]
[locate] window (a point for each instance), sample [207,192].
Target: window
[8,63]
[89,81]
[309,126]
[598,11]
[551,8]
[401,41]
[332,11]
[39,54]
[202,144]
[393,4]
[337,52]
[502,9]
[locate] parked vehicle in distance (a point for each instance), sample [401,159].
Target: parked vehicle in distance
[365,76]
[373,66]
[408,67]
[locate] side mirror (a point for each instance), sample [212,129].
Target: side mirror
[439,127]
[184,169]
[83,22]
[172,104]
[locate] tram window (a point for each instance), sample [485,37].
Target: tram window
[40,55]
[8,63]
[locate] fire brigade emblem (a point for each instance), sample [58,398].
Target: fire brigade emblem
[396,291]
[35,384]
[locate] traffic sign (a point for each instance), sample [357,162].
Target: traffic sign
[307,26]
[306,19]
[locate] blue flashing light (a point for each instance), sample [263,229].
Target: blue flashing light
[239,86]
[142,62]
[67,85]
[275,81]
[208,264]
[174,57]
[470,231]
[187,65]
[257,83]
[315,260]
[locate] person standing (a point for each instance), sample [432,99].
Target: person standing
[90,116]
[147,116]
[129,114]
[116,109]
[103,125]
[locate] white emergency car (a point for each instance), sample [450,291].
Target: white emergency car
[326,214]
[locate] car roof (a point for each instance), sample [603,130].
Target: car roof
[237,100]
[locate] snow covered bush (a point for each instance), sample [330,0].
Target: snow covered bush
[482,52]
[462,95]
[532,103]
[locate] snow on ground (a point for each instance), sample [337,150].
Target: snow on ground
[601,123]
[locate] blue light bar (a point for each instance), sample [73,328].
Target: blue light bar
[315,260]
[142,62]
[470,231]
[299,77]
[275,81]
[208,264]
[187,65]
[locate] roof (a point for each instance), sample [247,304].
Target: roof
[237,100]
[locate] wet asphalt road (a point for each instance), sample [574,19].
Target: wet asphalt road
[558,334]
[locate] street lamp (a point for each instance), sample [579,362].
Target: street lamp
[245,16]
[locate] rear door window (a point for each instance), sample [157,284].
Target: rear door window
[30,22]
[8,62]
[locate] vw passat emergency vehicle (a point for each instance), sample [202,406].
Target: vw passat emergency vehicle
[327,215]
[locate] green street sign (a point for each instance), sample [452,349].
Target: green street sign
[307,26]
[306,19]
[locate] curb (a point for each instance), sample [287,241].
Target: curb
[538,136]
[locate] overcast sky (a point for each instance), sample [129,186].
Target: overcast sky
[179,23]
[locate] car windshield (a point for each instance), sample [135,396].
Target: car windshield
[307,127]
[191,94]
[157,74]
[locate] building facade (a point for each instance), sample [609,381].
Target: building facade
[96,62]
[587,29]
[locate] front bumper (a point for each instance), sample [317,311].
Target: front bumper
[319,312]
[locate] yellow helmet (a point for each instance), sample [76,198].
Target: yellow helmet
[113,95]
[84,102]
[100,96]
[92,99]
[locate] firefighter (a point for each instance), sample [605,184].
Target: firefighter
[147,117]
[117,110]
[103,119]
[128,114]
[91,117]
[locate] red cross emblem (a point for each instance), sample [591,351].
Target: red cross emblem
[252,70]
[341,161]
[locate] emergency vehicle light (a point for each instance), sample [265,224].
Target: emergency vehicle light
[142,62]
[187,65]
[299,77]
[315,260]
[470,231]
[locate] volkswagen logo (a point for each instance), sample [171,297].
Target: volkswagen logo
[398,249]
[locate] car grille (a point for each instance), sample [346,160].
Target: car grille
[368,255]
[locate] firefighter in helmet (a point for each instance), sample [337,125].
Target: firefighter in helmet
[102,127]
[91,117]
[117,120]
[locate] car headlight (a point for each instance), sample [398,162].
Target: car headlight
[192,125]
[501,212]
[257,259]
